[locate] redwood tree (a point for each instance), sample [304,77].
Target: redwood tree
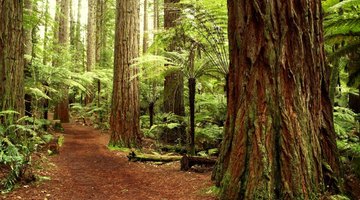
[91,36]
[174,81]
[279,140]
[125,109]
[62,109]
[11,59]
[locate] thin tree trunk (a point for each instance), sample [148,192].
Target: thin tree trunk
[72,25]
[91,47]
[11,60]
[91,36]
[279,140]
[125,110]
[192,93]
[78,42]
[28,52]
[156,14]
[151,113]
[146,34]
[45,59]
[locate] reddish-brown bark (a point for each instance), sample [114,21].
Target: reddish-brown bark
[279,132]
[62,108]
[125,111]
[11,59]
[174,80]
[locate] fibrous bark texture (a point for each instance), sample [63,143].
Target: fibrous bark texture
[62,109]
[11,59]
[125,111]
[146,34]
[174,81]
[91,35]
[28,52]
[279,140]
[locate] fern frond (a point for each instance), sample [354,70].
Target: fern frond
[352,47]
[344,5]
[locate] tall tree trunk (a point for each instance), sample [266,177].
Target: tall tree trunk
[101,36]
[78,42]
[11,60]
[146,34]
[72,25]
[91,36]
[192,95]
[125,110]
[156,15]
[174,81]
[100,18]
[91,47]
[62,109]
[28,52]
[279,140]
[46,58]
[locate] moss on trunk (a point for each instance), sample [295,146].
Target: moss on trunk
[279,127]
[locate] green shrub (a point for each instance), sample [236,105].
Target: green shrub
[18,140]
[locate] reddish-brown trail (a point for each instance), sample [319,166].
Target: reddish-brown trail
[85,170]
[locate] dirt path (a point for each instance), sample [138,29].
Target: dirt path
[86,169]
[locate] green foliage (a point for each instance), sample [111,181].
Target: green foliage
[205,24]
[164,121]
[338,197]
[213,190]
[348,142]
[345,122]
[17,142]
[208,137]
[342,26]
[212,109]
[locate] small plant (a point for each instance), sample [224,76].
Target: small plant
[18,140]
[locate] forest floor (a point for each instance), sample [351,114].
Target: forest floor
[87,169]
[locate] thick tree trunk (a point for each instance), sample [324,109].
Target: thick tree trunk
[62,109]
[174,81]
[174,93]
[11,60]
[125,110]
[279,133]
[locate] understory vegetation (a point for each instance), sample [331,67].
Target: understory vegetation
[55,71]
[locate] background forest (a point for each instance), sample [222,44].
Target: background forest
[182,70]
